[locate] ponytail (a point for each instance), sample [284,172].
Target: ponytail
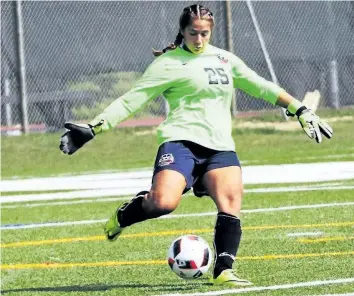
[171,46]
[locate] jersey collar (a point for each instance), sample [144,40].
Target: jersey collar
[185,48]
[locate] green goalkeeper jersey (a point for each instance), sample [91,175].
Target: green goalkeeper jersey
[199,91]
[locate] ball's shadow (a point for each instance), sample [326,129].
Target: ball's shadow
[187,285]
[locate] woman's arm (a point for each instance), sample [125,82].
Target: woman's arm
[249,81]
[312,125]
[154,82]
[285,99]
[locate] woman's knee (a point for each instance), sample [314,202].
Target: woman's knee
[233,199]
[230,202]
[158,203]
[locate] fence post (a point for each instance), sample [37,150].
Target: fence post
[230,45]
[334,84]
[5,91]
[333,65]
[165,42]
[264,48]
[21,66]
[228,14]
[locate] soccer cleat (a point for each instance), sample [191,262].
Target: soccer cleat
[112,228]
[229,278]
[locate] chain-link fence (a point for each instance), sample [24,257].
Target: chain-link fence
[310,44]
[80,56]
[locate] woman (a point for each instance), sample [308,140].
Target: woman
[196,148]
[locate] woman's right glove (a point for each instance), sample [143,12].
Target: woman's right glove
[76,136]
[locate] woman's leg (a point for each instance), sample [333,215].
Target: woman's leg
[165,193]
[164,196]
[173,169]
[225,187]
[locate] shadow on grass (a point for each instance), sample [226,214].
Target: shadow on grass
[92,288]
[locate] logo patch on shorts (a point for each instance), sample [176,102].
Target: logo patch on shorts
[166,159]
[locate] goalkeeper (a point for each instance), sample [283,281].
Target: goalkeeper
[196,149]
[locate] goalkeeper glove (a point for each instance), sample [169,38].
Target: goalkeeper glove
[312,125]
[77,135]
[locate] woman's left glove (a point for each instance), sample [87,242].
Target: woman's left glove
[312,124]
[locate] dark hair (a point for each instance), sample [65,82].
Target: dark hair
[189,13]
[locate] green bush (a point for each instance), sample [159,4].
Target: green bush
[105,88]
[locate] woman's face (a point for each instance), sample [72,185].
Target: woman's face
[197,35]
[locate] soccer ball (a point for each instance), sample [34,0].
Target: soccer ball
[189,256]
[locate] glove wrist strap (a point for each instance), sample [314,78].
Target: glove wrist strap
[99,127]
[294,108]
[96,129]
[300,111]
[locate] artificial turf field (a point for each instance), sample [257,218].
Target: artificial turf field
[294,242]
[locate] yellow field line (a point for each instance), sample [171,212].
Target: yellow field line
[102,237]
[161,262]
[296,256]
[87,264]
[165,233]
[324,239]
[335,224]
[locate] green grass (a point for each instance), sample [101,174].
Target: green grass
[120,149]
[158,279]
[276,115]
[123,149]
[247,186]
[188,205]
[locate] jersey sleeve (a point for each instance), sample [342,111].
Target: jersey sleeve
[250,82]
[154,82]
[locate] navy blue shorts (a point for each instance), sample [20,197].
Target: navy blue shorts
[192,161]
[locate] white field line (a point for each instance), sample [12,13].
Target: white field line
[56,203]
[346,294]
[294,189]
[325,156]
[295,234]
[101,193]
[258,174]
[330,156]
[243,163]
[51,224]
[171,216]
[134,190]
[71,194]
[266,288]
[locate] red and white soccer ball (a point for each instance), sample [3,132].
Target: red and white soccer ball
[189,256]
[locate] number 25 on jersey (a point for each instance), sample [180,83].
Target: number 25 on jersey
[217,75]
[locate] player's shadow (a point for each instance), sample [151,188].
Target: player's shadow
[100,288]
